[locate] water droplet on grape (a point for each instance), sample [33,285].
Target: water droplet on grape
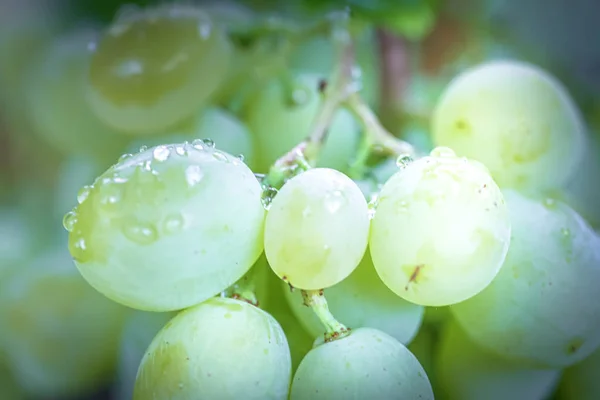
[403,160]
[268,195]
[83,193]
[69,221]
[443,152]
[220,156]
[173,224]
[550,203]
[240,157]
[138,232]
[125,157]
[193,175]
[143,148]
[198,144]
[300,95]
[208,143]
[161,153]
[335,200]
[79,251]
[109,196]
[181,150]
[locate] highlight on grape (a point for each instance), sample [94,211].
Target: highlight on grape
[235,199]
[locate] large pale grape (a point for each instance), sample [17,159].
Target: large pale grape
[278,123]
[317,228]
[155,67]
[225,130]
[169,227]
[366,364]
[580,382]
[362,300]
[140,330]
[60,335]
[516,119]
[464,371]
[441,230]
[539,308]
[56,99]
[220,349]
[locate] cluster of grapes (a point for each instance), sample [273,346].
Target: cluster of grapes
[276,241]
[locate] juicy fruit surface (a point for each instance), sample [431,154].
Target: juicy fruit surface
[316,230]
[516,119]
[538,309]
[441,230]
[468,372]
[362,300]
[149,70]
[169,227]
[366,364]
[222,348]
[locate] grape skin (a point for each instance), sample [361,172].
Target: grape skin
[149,71]
[538,309]
[362,300]
[330,217]
[220,349]
[441,230]
[516,119]
[366,364]
[169,227]
[53,323]
[467,372]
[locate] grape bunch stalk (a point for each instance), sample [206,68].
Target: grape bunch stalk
[263,234]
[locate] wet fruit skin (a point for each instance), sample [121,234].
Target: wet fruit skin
[148,235]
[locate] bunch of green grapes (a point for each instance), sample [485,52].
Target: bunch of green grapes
[269,259]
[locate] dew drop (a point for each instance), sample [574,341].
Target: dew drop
[143,148]
[140,233]
[79,250]
[268,195]
[549,203]
[173,224]
[220,156]
[69,221]
[161,153]
[198,144]
[83,194]
[193,175]
[109,196]
[335,200]
[240,157]
[180,150]
[443,152]
[403,160]
[209,143]
[125,157]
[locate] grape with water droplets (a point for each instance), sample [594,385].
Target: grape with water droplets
[153,68]
[441,230]
[169,227]
[316,229]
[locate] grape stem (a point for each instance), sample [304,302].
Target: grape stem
[334,329]
[244,289]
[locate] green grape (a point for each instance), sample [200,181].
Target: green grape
[220,349]
[538,308]
[60,335]
[169,227]
[318,56]
[223,128]
[516,119]
[330,220]
[365,364]
[156,67]
[280,117]
[441,230]
[580,382]
[139,331]
[362,300]
[299,340]
[56,92]
[467,372]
